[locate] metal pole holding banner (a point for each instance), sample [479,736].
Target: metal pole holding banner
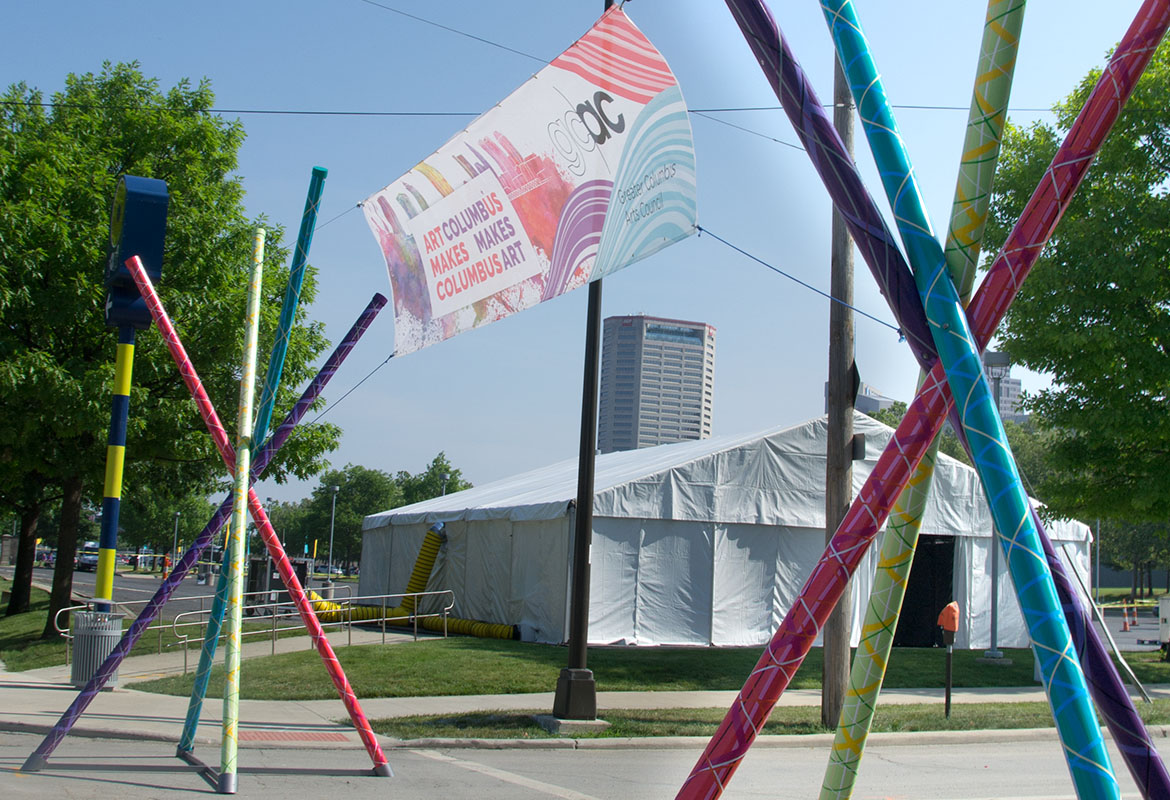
[576,694]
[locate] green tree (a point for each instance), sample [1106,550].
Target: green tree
[59,165]
[1095,312]
[360,492]
[148,520]
[437,479]
[948,442]
[1137,547]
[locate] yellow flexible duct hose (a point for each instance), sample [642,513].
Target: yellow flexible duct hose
[423,566]
[328,611]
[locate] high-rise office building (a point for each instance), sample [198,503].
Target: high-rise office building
[657,382]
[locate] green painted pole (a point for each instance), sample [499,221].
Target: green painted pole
[231,691]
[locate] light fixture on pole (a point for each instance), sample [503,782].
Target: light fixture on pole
[443,478]
[332,515]
[998,366]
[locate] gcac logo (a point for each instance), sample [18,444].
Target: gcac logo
[596,111]
[583,128]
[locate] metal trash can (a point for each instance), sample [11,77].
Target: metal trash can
[95,635]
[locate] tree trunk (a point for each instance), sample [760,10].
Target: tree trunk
[62,594]
[26,553]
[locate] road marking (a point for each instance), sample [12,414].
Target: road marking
[508,777]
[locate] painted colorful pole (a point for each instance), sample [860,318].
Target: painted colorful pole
[115,458]
[215,616]
[292,299]
[927,411]
[228,779]
[149,613]
[276,359]
[284,566]
[985,123]
[1064,680]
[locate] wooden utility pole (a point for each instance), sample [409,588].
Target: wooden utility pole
[839,447]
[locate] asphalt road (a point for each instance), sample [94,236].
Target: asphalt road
[135,589]
[128,770]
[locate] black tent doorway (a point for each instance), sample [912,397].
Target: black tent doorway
[931,587]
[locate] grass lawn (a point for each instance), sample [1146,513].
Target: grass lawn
[800,720]
[461,666]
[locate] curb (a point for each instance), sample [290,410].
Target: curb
[767,742]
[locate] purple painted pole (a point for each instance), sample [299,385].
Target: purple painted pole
[39,757]
[1114,703]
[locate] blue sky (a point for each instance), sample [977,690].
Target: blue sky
[506,398]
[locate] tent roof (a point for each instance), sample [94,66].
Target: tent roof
[771,477]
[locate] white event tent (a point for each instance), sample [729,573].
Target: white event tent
[697,543]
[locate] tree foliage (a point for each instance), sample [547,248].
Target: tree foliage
[437,479]
[59,165]
[1095,312]
[948,442]
[361,492]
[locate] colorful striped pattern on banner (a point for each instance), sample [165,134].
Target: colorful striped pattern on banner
[616,56]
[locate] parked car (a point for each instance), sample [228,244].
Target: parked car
[87,559]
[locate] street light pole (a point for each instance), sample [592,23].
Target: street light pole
[175,541]
[332,514]
[998,366]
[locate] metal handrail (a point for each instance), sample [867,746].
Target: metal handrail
[127,607]
[288,610]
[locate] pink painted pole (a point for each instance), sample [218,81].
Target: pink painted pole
[926,413]
[292,584]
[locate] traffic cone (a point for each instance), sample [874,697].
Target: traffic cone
[1125,619]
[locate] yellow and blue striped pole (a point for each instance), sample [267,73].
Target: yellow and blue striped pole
[115,459]
[235,542]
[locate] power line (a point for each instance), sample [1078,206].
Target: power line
[456,31]
[352,389]
[748,130]
[309,112]
[797,280]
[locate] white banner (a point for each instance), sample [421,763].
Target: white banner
[587,167]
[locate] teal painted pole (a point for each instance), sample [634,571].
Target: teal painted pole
[288,311]
[292,299]
[1064,680]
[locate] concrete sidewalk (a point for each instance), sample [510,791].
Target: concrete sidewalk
[34,700]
